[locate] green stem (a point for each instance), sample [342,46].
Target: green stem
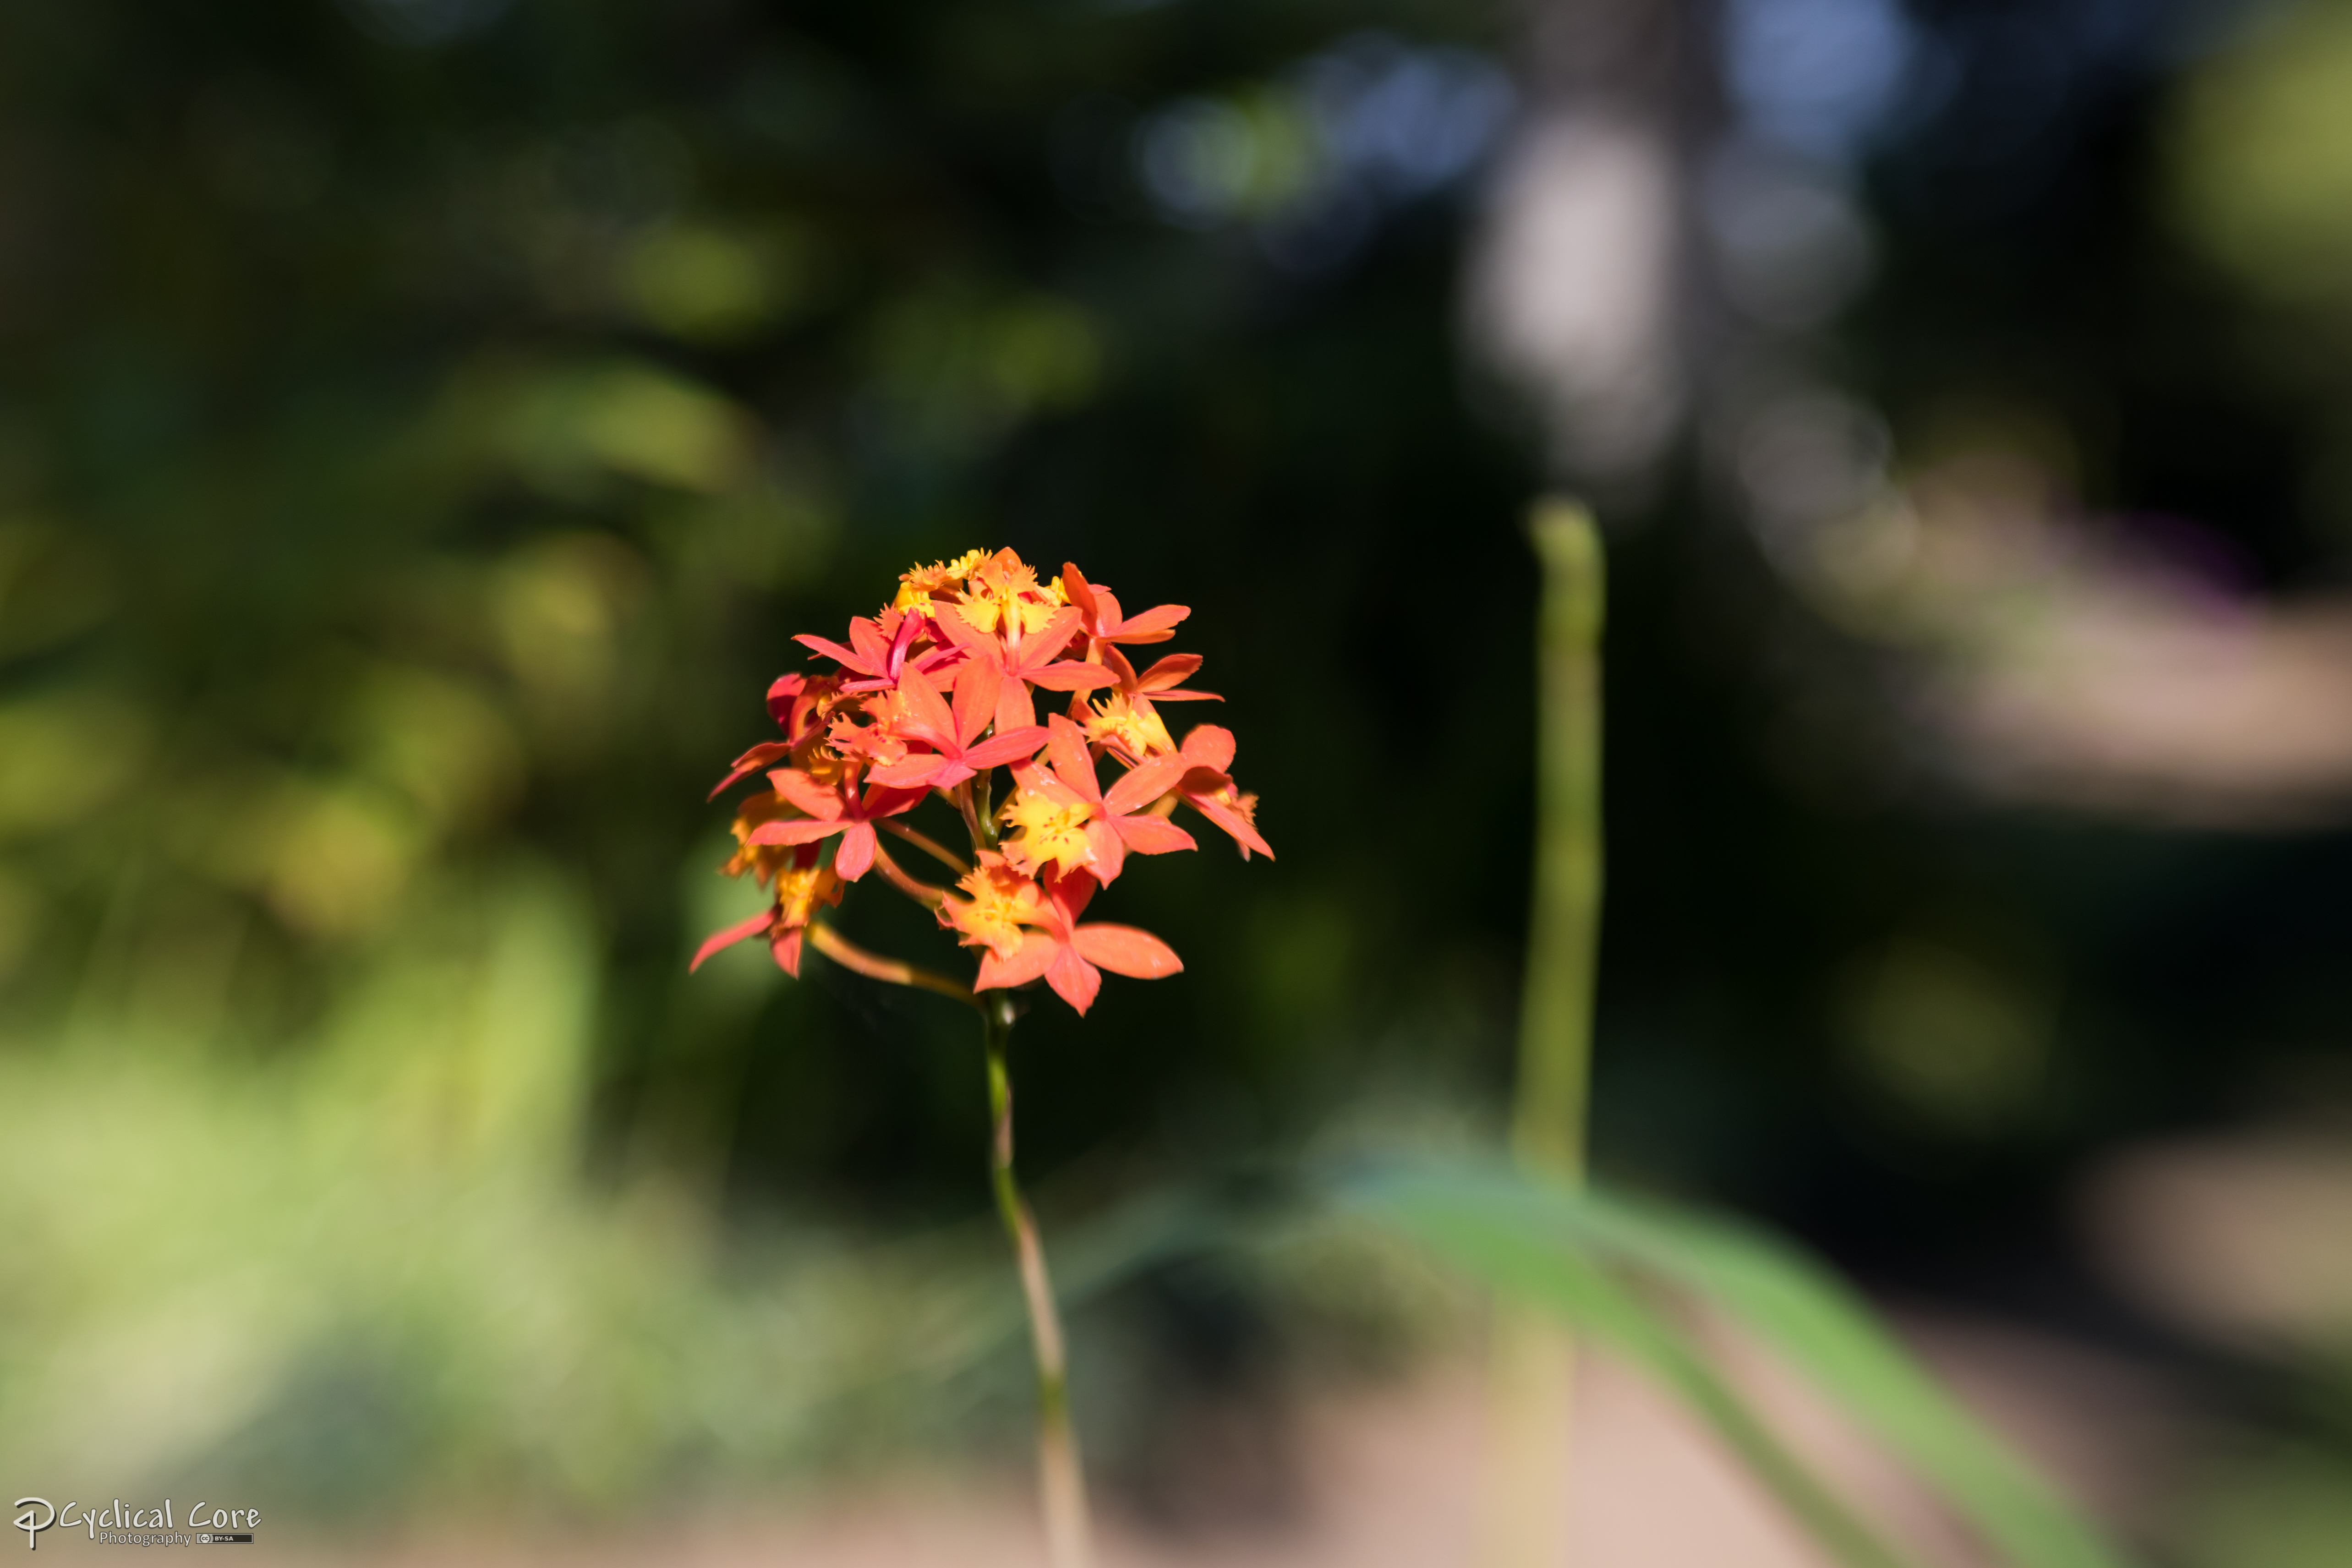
[1532,1371]
[1069,1535]
[975,818]
[1548,1124]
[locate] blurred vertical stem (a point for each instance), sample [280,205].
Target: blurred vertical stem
[1532,1369]
[1069,1534]
[1563,936]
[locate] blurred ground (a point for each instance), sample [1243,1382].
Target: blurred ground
[1388,1476]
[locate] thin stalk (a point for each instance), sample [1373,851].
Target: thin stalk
[922,892]
[874,966]
[1061,1482]
[975,821]
[928,845]
[1532,1379]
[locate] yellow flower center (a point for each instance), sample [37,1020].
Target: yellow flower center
[801,890]
[1050,830]
[1003,901]
[1004,592]
[761,860]
[1136,731]
[940,577]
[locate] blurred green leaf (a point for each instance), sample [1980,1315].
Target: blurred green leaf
[1597,1260]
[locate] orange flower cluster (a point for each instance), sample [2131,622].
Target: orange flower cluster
[929,697]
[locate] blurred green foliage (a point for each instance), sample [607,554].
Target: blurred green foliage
[422,425]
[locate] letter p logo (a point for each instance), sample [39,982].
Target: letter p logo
[34,1515]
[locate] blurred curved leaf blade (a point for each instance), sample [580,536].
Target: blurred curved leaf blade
[1588,1255]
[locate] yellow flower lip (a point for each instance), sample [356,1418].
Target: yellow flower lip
[1129,724]
[1052,831]
[1002,902]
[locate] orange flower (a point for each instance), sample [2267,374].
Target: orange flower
[1069,957]
[1068,822]
[1164,682]
[800,706]
[1102,621]
[833,808]
[1127,723]
[920,717]
[1209,790]
[1030,659]
[933,694]
[802,887]
[1128,727]
[1002,903]
[1003,594]
[918,586]
[878,655]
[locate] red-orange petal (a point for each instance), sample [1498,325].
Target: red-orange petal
[975,696]
[1209,746]
[1155,623]
[848,657]
[1073,979]
[798,831]
[1074,584]
[866,636]
[1066,749]
[819,801]
[1109,850]
[1144,783]
[1037,954]
[1050,638]
[1168,672]
[855,856]
[1149,835]
[917,770]
[999,749]
[931,717]
[881,801]
[730,936]
[750,762]
[1124,950]
[1244,833]
[782,693]
[1013,708]
[1070,892]
[1072,676]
